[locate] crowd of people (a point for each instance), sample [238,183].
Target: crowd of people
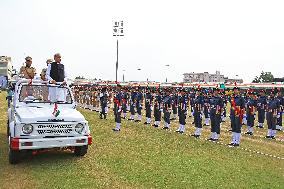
[208,107]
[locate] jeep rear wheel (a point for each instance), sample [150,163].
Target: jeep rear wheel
[14,156]
[81,150]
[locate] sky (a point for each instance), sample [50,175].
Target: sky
[241,37]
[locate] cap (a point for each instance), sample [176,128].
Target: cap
[48,61]
[28,58]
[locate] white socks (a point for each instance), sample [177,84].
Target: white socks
[148,120]
[207,121]
[197,131]
[117,126]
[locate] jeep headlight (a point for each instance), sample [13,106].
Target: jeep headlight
[79,128]
[27,129]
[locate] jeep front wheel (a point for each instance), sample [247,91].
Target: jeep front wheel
[14,156]
[8,129]
[81,150]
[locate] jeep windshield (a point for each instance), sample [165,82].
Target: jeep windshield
[45,93]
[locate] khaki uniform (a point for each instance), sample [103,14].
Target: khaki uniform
[28,72]
[43,74]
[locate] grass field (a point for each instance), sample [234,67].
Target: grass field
[144,157]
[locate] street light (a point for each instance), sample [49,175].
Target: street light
[139,69]
[123,75]
[117,32]
[167,65]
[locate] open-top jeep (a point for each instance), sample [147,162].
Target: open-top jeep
[44,116]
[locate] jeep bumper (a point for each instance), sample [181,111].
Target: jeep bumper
[43,143]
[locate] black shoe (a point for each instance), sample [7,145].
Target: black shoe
[196,136]
[268,137]
[261,127]
[181,132]
[193,123]
[123,118]
[231,144]
[278,129]
[272,137]
[130,119]
[137,121]
[230,130]
[156,126]
[215,139]
[114,129]
[146,123]
[236,145]
[249,133]
[165,128]
[177,131]
[101,117]
[210,139]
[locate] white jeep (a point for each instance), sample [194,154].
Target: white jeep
[44,116]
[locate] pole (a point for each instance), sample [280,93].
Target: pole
[116,67]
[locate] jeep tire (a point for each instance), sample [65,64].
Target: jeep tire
[14,156]
[81,150]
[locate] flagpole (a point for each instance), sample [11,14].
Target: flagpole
[116,61]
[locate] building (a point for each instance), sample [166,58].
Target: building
[203,77]
[6,67]
[208,78]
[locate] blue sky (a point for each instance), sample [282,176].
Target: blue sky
[236,37]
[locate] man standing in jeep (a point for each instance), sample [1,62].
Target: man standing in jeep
[56,73]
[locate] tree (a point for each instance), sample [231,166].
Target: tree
[265,77]
[256,80]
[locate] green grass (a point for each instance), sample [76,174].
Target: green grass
[144,157]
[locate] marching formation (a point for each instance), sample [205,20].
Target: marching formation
[208,107]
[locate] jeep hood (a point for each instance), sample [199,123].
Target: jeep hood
[35,114]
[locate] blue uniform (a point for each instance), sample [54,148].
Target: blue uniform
[279,116]
[273,106]
[261,106]
[157,110]
[198,109]
[182,111]
[216,105]
[236,114]
[117,110]
[148,106]
[132,105]
[139,98]
[167,102]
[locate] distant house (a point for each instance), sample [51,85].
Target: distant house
[6,67]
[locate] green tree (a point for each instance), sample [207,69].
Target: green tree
[265,77]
